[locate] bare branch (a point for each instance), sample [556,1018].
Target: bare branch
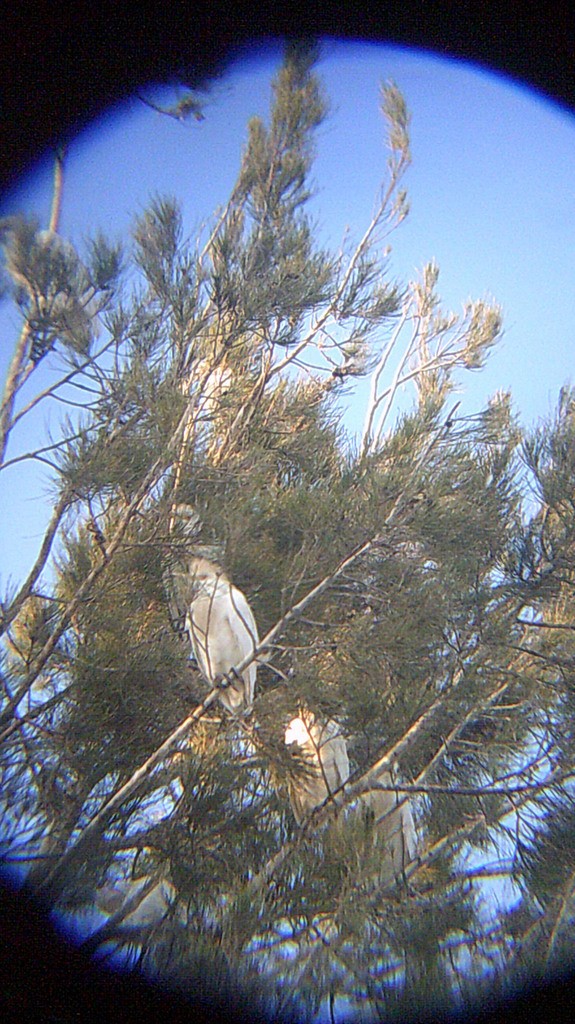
[9,614]
[21,358]
[68,378]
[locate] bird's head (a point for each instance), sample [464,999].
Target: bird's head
[297,732]
[204,569]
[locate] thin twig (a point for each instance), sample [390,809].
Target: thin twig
[20,365]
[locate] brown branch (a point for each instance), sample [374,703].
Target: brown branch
[50,392]
[35,712]
[103,815]
[546,625]
[58,189]
[21,356]
[566,901]
[18,364]
[110,929]
[23,594]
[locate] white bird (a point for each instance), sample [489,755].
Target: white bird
[395,827]
[325,751]
[223,633]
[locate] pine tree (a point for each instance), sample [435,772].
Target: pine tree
[401,586]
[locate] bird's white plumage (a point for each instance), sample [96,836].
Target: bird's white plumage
[223,633]
[325,751]
[394,824]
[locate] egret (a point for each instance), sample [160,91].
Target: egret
[395,827]
[325,751]
[223,633]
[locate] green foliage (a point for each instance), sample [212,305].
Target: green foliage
[59,295]
[440,630]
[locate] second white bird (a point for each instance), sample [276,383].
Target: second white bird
[325,751]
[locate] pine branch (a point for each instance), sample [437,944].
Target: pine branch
[100,820]
[368,780]
[57,190]
[374,397]
[150,481]
[111,928]
[565,906]
[362,247]
[21,359]
[545,625]
[68,378]
[142,773]
[10,613]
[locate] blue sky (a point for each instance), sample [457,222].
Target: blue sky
[491,192]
